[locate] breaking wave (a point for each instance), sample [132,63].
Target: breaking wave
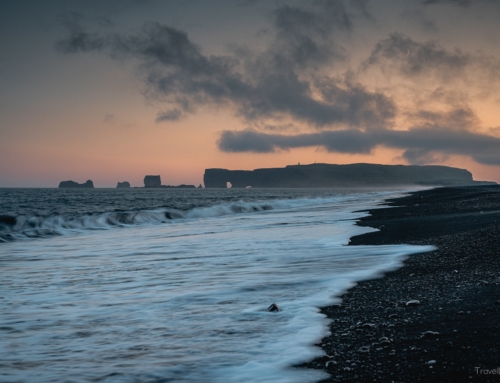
[20,227]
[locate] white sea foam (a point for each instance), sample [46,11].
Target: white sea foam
[35,226]
[185,302]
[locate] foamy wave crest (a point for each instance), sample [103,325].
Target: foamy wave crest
[35,226]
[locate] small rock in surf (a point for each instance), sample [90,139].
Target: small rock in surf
[273,307]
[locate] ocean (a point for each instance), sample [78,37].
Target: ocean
[140,285]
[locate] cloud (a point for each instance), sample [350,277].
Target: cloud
[420,145]
[341,141]
[285,80]
[414,58]
[78,38]
[248,141]
[420,18]
[458,118]
[305,36]
[279,128]
[460,3]
[430,62]
[170,115]
[109,118]
[463,3]
[291,80]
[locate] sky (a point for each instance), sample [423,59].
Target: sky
[114,90]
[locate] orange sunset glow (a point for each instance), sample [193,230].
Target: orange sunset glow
[112,93]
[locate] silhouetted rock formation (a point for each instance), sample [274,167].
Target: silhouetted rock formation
[152,182]
[326,175]
[155,182]
[123,185]
[74,185]
[200,187]
[273,307]
[182,186]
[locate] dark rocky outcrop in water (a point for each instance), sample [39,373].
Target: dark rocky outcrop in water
[152,182]
[74,185]
[155,182]
[273,307]
[182,186]
[326,175]
[123,185]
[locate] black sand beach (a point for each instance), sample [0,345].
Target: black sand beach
[453,334]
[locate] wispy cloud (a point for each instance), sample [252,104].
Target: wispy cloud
[412,58]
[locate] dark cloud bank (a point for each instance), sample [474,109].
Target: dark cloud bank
[273,83]
[290,79]
[419,145]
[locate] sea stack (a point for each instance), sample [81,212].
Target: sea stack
[123,185]
[75,185]
[152,182]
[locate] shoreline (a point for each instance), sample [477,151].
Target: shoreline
[452,334]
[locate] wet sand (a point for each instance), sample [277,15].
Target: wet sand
[453,333]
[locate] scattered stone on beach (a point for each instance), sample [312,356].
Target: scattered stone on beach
[384,341]
[466,255]
[324,358]
[430,334]
[330,364]
[273,307]
[412,303]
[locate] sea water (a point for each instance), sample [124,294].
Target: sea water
[174,285]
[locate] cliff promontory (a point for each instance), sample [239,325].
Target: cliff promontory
[75,185]
[326,175]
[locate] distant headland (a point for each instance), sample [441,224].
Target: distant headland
[327,175]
